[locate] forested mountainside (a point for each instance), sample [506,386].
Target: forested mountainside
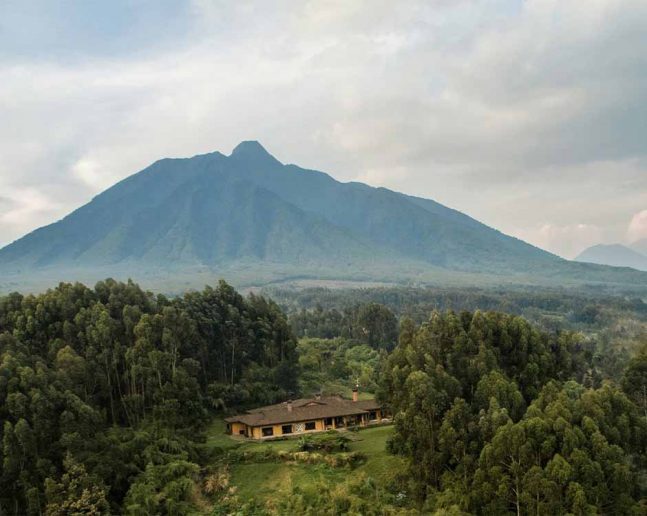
[248,211]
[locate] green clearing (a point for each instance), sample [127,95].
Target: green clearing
[380,465]
[265,481]
[216,436]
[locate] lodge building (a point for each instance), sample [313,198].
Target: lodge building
[305,415]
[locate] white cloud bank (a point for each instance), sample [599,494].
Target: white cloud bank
[637,229]
[529,116]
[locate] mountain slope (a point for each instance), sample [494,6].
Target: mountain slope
[421,229]
[214,212]
[199,217]
[616,255]
[640,246]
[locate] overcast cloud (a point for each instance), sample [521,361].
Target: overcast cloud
[530,116]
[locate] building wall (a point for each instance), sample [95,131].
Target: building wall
[237,427]
[256,432]
[278,430]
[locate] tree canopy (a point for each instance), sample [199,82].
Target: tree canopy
[109,386]
[494,421]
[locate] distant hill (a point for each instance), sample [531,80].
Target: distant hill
[616,255]
[640,246]
[254,220]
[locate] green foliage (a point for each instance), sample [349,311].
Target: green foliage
[115,384]
[333,365]
[263,475]
[495,386]
[329,442]
[162,489]
[611,326]
[459,386]
[358,495]
[319,311]
[105,394]
[570,453]
[76,493]
[634,380]
[372,324]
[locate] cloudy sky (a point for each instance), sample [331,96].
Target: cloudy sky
[529,115]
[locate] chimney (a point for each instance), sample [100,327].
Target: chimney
[355,392]
[289,405]
[318,396]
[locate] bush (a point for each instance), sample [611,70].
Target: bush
[329,442]
[216,482]
[338,460]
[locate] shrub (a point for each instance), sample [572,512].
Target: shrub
[329,442]
[216,482]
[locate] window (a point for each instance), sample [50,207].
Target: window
[241,431]
[310,425]
[286,429]
[373,415]
[268,431]
[328,421]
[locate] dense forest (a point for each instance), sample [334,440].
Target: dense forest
[613,327]
[499,418]
[551,309]
[106,394]
[370,323]
[102,391]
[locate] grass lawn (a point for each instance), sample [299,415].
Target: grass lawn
[264,481]
[282,445]
[380,465]
[216,435]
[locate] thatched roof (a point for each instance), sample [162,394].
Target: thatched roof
[304,409]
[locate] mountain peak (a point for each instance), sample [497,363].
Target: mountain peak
[236,213]
[616,255]
[251,149]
